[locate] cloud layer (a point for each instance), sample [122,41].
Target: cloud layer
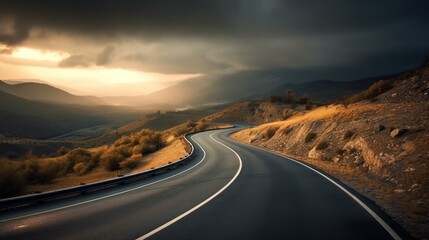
[215,36]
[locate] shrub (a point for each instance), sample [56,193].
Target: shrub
[201,126]
[63,150]
[131,162]
[269,132]
[110,159]
[274,99]
[137,150]
[352,150]
[30,169]
[75,156]
[322,145]
[340,151]
[80,168]
[373,91]
[125,151]
[310,137]
[348,134]
[12,181]
[47,171]
[308,105]
[288,130]
[289,97]
[124,140]
[303,100]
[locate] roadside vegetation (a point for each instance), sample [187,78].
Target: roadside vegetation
[122,156]
[125,154]
[290,97]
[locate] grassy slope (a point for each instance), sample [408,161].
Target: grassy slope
[171,153]
[391,171]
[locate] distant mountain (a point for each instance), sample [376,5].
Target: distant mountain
[20,117]
[208,90]
[326,90]
[46,93]
[257,84]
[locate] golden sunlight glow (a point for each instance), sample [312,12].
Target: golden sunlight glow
[35,54]
[95,81]
[30,63]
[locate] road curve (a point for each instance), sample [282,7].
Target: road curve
[228,191]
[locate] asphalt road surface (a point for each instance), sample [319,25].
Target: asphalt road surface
[228,191]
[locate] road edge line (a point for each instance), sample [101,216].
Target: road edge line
[111,195]
[181,216]
[380,220]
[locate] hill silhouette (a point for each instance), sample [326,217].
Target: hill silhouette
[46,93]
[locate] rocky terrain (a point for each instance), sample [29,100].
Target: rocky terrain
[376,141]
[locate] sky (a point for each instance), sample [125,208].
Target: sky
[135,47]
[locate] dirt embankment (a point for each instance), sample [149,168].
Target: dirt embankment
[378,146]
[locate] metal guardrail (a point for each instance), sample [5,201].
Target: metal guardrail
[91,187]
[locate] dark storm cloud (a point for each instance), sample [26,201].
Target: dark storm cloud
[251,33]
[105,56]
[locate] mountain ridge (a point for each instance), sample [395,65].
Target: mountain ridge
[42,92]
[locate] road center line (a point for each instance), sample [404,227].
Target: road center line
[111,195]
[167,224]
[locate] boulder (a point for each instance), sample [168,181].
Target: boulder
[378,127]
[397,132]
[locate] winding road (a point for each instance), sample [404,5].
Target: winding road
[228,191]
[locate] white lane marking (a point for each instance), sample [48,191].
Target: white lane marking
[111,195]
[386,227]
[167,224]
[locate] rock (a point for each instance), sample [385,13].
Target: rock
[399,190]
[397,132]
[417,85]
[394,95]
[371,160]
[379,127]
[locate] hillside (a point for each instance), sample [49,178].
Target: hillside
[255,112]
[45,93]
[209,90]
[29,119]
[377,142]
[327,90]
[245,85]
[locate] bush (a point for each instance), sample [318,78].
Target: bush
[201,126]
[47,172]
[310,137]
[110,159]
[63,150]
[124,140]
[340,151]
[131,162]
[322,145]
[288,130]
[269,132]
[303,100]
[80,168]
[348,134]
[12,181]
[289,97]
[274,99]
[373,91]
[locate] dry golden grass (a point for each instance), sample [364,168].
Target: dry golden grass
[171,153]
[391,185]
